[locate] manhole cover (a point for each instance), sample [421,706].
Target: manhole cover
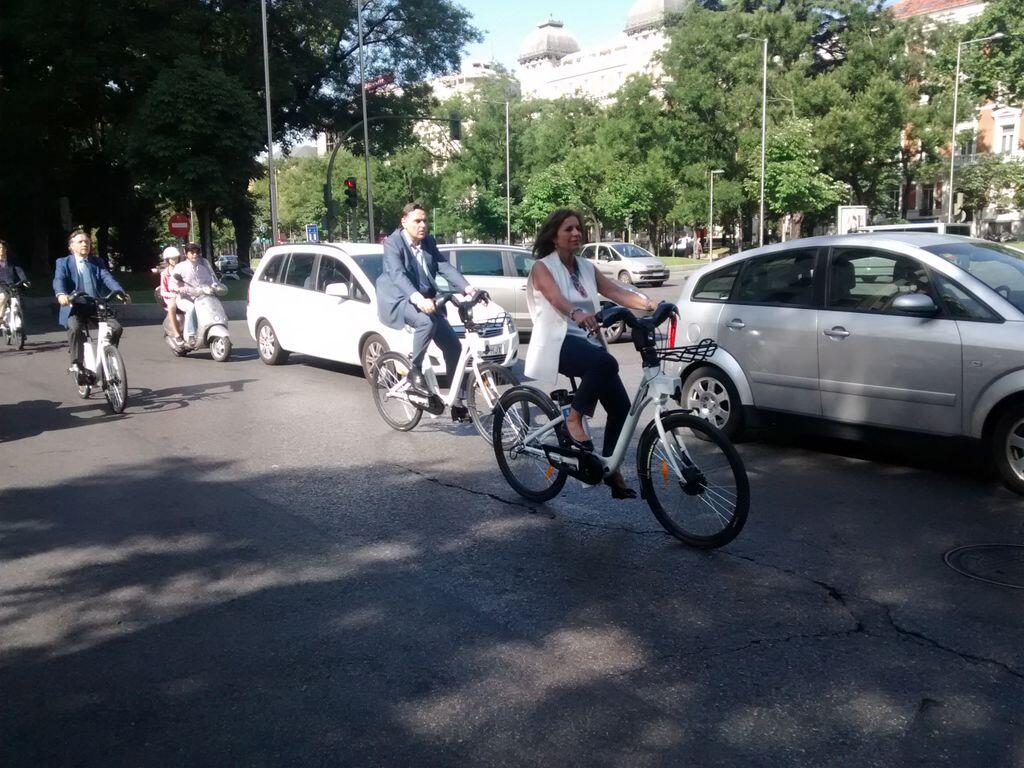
[1000,564]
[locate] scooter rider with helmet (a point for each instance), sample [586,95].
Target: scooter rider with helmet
[191,277]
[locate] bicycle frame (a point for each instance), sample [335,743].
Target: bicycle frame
[473,346]
[94,360]
[12,319]
[655,387]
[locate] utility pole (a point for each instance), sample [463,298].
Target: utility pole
[366,128]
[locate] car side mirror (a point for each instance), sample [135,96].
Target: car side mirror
[915,304]
[338,290]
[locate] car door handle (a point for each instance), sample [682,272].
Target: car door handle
[736,325]
[837,333]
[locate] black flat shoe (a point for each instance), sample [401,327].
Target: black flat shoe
[620,491]
[583,445]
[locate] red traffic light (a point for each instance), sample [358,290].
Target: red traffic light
[350,184]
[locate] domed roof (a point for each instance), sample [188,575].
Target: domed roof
[550,40]
[648,14]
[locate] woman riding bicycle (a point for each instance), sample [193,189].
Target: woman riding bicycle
[561,294]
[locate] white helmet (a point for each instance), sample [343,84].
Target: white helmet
[170,252]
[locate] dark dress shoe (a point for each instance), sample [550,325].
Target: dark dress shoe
[620,491]
[460,414]
[417,381]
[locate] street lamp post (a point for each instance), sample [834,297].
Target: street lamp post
[366,128]
[270,130]
[764,129]
[711,213]
[956,101]
[508,183]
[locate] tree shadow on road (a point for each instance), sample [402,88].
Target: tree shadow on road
[189,615]
[29,418]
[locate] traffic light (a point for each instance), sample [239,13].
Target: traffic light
[454,126]
[351,194]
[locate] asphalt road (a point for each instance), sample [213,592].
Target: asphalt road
[249,567]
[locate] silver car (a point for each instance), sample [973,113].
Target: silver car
[627,263]
[501,270]
[910,331]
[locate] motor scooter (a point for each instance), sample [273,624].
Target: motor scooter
[211,326]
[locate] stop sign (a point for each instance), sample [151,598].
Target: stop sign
[179,225]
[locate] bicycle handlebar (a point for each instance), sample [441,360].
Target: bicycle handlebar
[611,315]
[465,307]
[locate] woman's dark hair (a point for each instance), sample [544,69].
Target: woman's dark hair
[545,242]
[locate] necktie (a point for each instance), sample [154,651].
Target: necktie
[418,253]
[86,283]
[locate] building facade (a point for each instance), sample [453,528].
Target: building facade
[997,129]
[552,64]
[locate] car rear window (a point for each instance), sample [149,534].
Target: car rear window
[299,271]
[272,272]
[716,286]
[781,278]
[481,263]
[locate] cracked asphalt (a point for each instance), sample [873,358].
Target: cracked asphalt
[250,568]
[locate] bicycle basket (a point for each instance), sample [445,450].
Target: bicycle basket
[494,326]
[695,353]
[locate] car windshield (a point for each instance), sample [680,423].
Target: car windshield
[630,251]
[998,267]
[372,265]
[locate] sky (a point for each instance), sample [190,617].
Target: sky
[505,23]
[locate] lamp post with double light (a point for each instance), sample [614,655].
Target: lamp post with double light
[711,212]
[956,103]
[764,127]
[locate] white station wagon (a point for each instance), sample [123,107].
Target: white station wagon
[319,299]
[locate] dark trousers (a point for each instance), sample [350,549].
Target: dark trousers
[599,378]
[432,327]
[76,333]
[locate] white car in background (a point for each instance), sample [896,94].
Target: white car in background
[628,263]
[319,299]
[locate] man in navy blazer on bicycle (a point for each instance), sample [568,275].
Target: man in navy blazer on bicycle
[78,271]
[407,288]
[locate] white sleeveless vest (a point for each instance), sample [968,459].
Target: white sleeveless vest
[549,325]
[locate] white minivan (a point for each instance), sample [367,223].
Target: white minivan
[319,299]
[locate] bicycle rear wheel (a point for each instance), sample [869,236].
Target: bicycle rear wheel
[519,412]
[388,371]
[482,396]
[116,379]
[705,507]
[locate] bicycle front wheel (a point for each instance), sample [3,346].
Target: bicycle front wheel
[519,412]
[389,370]
[483,394]
[116,379]
[697,488]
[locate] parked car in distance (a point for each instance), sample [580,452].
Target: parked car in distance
[627,263]
[226,262]
[501,270]
[320,299]
[912,331]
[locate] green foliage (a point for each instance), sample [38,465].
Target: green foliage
[794,181]
[990,180]
[997,68]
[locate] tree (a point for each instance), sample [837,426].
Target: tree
[990,181]
[794,183]
[997,68]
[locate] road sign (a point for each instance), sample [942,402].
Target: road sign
[312,233]
[179,225]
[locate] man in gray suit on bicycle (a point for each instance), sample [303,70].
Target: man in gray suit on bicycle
[407,288]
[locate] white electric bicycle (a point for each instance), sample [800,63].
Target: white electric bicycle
[697,489]
[102,361]
[402,407]
[12,322]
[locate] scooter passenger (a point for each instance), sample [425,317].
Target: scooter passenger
[193,278]
[169,291]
